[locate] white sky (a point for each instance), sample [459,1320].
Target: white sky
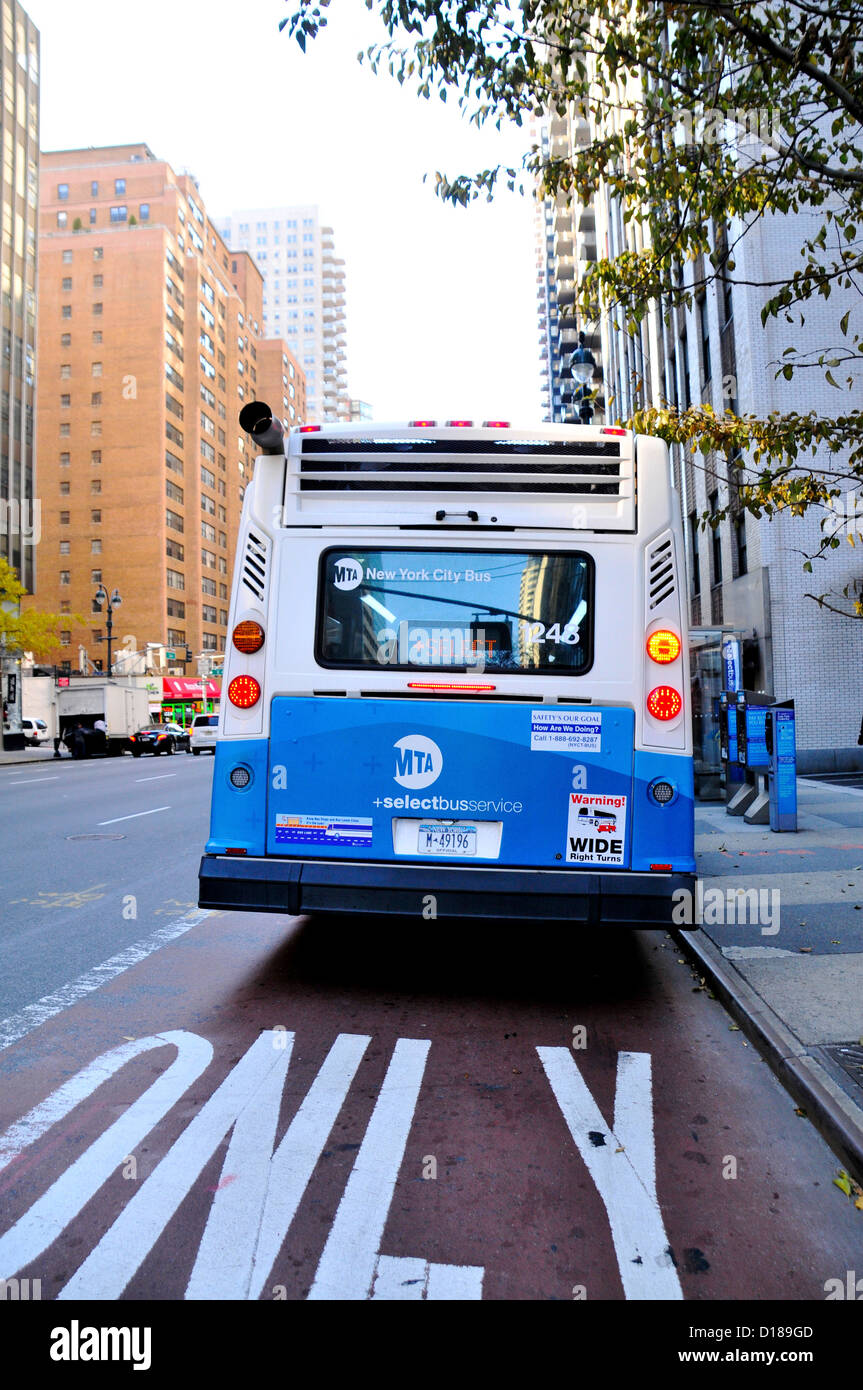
[440,301]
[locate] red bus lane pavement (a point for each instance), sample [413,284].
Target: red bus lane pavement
[274,1108]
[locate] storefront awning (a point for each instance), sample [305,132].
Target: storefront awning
[185,688]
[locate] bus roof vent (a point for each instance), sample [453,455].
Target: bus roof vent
[567,476]
[255,558]
[660,571]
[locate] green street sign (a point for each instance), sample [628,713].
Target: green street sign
[170,656]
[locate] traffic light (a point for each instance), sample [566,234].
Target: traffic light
[188,653]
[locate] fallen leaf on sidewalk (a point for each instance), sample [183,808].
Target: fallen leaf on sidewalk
[734,1027]
[842,1182]
[798,1110]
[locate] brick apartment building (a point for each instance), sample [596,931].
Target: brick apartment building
[150,341]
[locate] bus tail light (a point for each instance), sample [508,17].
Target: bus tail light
[422,424]
[663,646]
[664,702]
[248,637]
[495,424]
[244,691]
[460,424]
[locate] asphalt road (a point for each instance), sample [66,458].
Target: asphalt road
[259,1107]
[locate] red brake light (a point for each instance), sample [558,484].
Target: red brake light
[664,702]
[663,646]
[244,692]
[495,424]
[248,636]
[422,424]
[611,429]
[460,424]
[309,429]
[444,685]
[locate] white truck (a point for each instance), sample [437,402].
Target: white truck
[123,709]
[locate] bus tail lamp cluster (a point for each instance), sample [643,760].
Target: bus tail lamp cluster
[248,637]
[244,692]
[663,647]
[664,702]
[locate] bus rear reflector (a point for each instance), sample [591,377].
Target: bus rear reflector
[235,851]
[244,692]
[663,647]
[664,868]
[248,636]
[664,702]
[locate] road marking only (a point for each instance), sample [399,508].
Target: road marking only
[160,778]
[134,816]
[29,781]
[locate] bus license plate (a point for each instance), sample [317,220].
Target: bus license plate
[447,839]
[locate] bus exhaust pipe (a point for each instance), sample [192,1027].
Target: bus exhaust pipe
[258,420]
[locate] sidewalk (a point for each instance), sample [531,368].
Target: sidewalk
[31,755]
[791,972]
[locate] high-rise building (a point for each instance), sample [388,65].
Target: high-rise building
[304,295]
[19,195]
[150,342]
[744,576]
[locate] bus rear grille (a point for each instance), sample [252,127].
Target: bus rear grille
[660,571]
[255,565]
[562,467]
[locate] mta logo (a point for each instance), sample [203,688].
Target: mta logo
[347,574]
[419,761]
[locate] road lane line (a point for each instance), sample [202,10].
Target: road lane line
[134,816]
[161,777]
[32,1016]
[294,1161]
[28,781]
[51,1213]
[114,1261]
[621,1160]
[347,1265]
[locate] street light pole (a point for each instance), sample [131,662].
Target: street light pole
[113,601]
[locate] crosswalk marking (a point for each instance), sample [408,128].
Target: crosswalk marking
[404,1278]
[621,1159]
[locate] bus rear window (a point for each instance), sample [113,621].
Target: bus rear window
[453,610]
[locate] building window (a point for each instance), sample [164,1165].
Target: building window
[97,309]
[119,187]
[97,253]
[696,572]
[67,282]
[64,518]
[95,547]
[66,546]
[96,369]
[97,282]
[176,637]
[172,491]
[740,543]
[67,257]
[95,576]
[174,549]
[65,460]
[96,398]
[64,576]
[65,402]
[705,339]
[175,608]
[97,336]
[95,484]
[95,426]
[207,531]
[208,586]
[716,540]
[175,580]
[94,189]
[65,369]
[208,614]
[65,339]
[65,429]
[92,217]
[62,219]
[65,605]
[64,489]
[95,457]
[96,517]
[66,311]
[65,638]
[173,520]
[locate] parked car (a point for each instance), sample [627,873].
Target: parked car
[158,738]
[35,732]
[205,729]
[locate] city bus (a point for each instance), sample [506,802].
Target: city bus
[456,677]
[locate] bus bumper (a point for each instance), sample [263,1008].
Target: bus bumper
[294,886]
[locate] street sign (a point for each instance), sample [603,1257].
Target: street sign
[169,655]
[216,671]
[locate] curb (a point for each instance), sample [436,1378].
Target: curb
[834,1114]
